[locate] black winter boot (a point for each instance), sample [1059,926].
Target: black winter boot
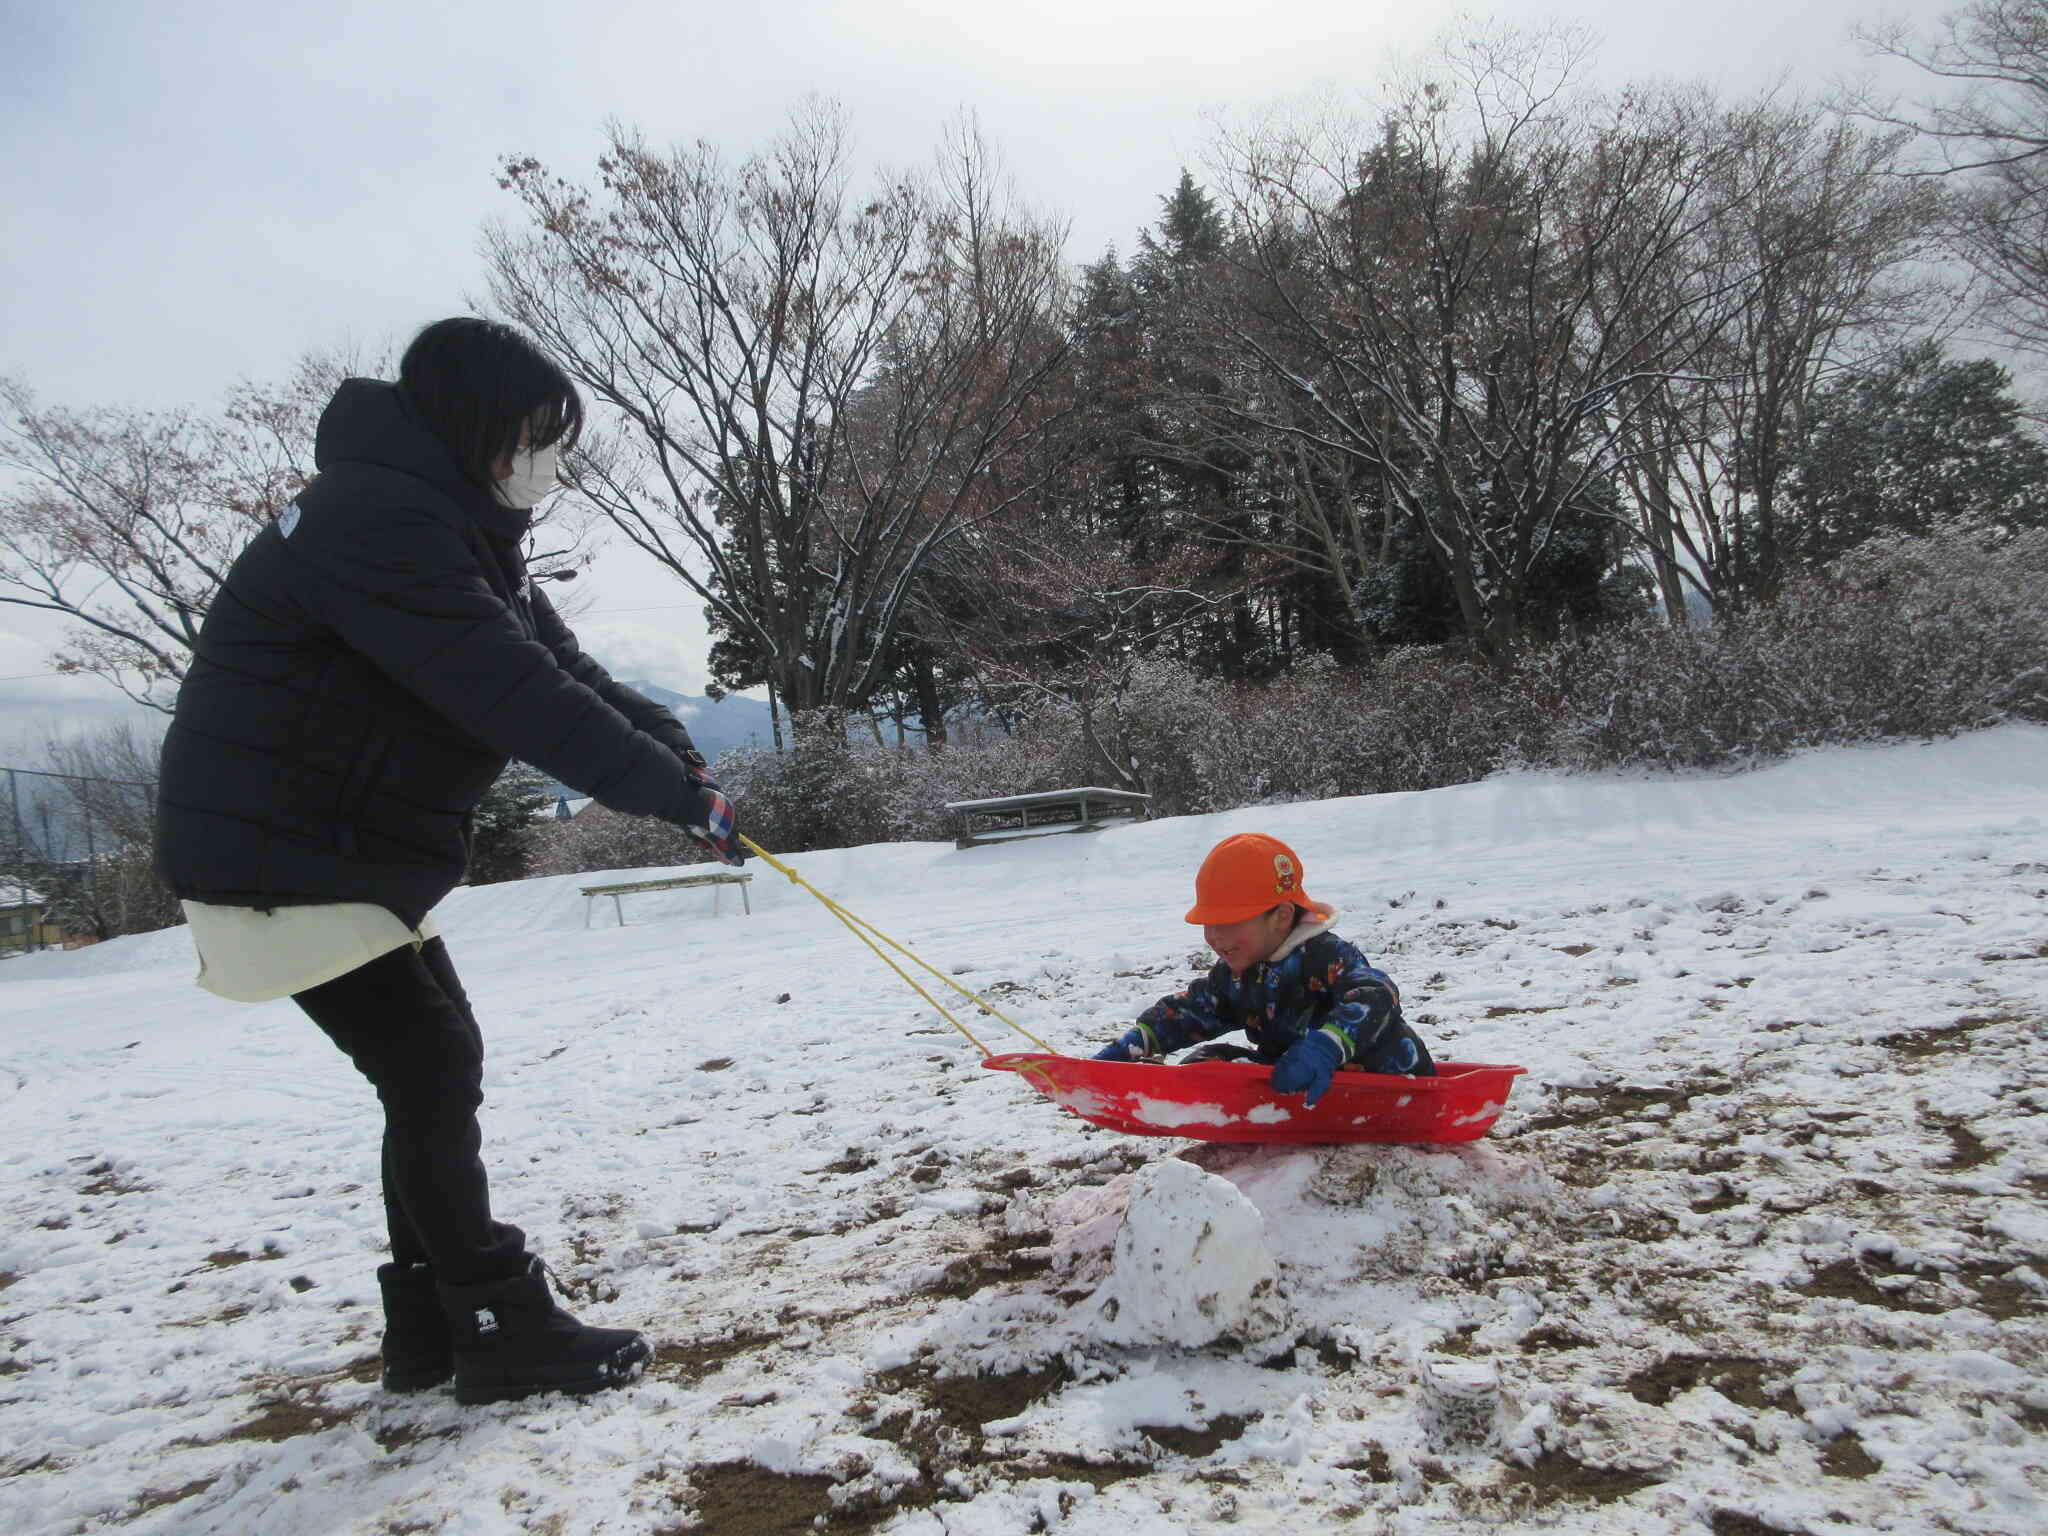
[511,1340]
[417,1350]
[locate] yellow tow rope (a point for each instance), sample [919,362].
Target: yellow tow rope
[867,933]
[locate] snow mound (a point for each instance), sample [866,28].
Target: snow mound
[1190,1263]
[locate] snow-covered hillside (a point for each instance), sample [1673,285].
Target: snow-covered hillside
[1759,1245]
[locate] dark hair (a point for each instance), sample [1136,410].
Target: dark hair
[476,383]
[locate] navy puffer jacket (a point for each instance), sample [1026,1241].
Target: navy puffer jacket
[373,660]
[1317,982]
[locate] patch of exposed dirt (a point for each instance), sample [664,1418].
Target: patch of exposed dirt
[105,1181]
[1557,1478]
[1997,1291]
[741,1499]
[392,1438]
[965,1403]
[7,1278]
[1006,1261]
[692,1361]
[163,1498]
[1999,1295]
[1918,1044]
[855,1161]
[1333,1354]
[1844,1456]
[1739,1378]
[1073,1469]
[1197,1443]
[1374,1465]
[715,1064]
[1458,1341]
[278,1419]
[1636,1227]
[1732,1522]
[1553,1338]
[943,1434]
[1966,1148]
[229,1258]
[1845,1280]
[1621,1102]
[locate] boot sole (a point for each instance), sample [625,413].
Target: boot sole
[622,1369]
[418,1380]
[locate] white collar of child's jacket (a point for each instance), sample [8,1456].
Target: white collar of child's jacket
[1314,920]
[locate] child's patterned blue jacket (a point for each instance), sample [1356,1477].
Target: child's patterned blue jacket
[1315,981]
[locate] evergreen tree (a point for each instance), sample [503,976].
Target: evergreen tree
[1920,445]
[1190,232]
[502,828]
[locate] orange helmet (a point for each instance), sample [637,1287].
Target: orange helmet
[1244,876]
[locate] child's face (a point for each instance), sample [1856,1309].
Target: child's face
[1242,945]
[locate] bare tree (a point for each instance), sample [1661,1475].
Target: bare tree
[1468,303]
[811,388]
[1052,621]
[111,520]
[1988,128]
[127,520]
[1819,248]
[102,875]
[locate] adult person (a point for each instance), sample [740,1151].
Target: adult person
[374,658]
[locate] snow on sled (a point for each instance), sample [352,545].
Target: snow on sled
[1234,1101]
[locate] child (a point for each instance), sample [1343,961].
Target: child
[1308,1001]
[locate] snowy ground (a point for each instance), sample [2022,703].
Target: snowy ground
[1759,1245]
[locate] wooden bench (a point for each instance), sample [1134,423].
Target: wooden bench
[711,877]
[1050,811]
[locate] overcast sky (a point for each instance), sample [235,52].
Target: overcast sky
[198,191]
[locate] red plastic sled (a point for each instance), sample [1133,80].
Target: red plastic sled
[1233,1100]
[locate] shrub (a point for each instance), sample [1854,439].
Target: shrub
[1905,638]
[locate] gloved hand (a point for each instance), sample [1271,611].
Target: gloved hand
[1131,1045]
[719,833]
[1309,1064]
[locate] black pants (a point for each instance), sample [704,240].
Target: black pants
[405,1023]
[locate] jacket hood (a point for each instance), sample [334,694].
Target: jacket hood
[370,422]
[1317,917]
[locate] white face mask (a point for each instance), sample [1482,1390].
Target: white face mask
[532,477]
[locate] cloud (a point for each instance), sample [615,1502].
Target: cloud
[36,706]
[671,654]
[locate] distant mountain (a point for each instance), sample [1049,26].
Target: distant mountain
[731,722]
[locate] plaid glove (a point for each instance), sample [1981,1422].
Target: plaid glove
[718,833]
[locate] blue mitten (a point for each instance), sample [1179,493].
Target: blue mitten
[1309,1064]
[1131,1045]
